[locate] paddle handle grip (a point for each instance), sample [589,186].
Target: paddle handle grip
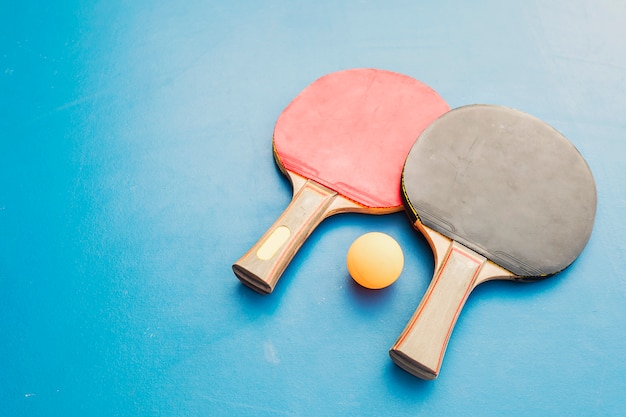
[421,346]
[261,267]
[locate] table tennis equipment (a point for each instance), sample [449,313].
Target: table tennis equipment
[342,142]
[498,194]
[375,260]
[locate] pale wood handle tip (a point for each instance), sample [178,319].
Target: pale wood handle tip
[252,280]
[411,366]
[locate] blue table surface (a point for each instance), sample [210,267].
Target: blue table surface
[136,167]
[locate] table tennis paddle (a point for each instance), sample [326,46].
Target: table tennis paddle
[498,194]
[342,142]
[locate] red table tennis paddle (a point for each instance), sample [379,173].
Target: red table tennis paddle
[498,194]
[342,142]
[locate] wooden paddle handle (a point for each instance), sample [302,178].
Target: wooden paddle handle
[420,348]
[261,267]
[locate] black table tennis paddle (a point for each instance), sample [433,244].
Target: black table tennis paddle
[498,194]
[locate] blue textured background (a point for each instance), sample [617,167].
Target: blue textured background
[136,167]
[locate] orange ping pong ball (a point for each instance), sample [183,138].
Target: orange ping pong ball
[375,260]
